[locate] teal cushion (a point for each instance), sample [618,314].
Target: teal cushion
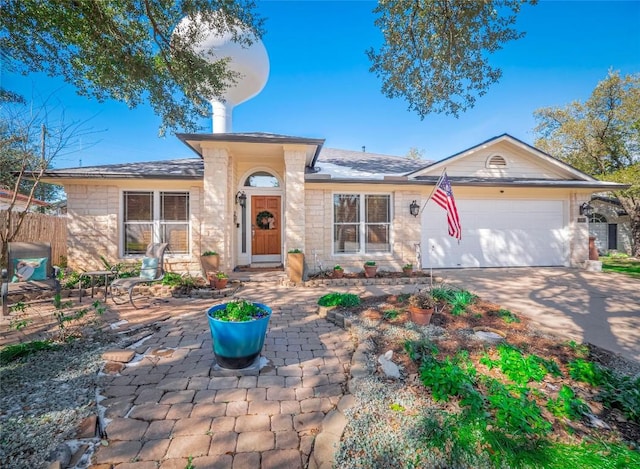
[149,268]
[25,270]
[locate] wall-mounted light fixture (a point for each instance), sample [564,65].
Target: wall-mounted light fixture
[586,209]
[414,209]
[241,198]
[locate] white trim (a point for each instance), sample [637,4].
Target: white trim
[155,221]
[247,258]
[436,167]
[362,224]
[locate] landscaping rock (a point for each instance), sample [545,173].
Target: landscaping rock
[390,369]
[119,355]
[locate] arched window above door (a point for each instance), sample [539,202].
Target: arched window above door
[597,218]
[261,179]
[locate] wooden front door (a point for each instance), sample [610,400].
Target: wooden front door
[266,223]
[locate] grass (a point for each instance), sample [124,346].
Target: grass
[501,423]
[624,265]
[14,351]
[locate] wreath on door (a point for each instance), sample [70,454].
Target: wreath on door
[265,220]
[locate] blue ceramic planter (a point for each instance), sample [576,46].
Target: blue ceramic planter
[237,344]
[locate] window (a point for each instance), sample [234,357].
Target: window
[261,179]
[361,223]
[161,217]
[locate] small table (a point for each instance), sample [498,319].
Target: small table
[92,275]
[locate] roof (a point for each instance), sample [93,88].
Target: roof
[332,165]
[189,168]
[7,194]
[194,141]
[358,164]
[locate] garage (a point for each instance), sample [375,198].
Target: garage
[497,233]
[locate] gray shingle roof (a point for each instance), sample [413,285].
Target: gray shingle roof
[188,168]
[369,162]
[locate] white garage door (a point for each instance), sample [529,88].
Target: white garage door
[496,233]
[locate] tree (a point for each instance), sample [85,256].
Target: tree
[601,137]
[125,50]
[31,137]
[415,153]
[435,52]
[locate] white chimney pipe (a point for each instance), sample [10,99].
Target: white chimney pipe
[222,116]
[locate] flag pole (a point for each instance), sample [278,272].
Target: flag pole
[434,189]
[444,170]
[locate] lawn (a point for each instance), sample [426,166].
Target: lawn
[624,265]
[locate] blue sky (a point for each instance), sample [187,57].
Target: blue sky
[320,85]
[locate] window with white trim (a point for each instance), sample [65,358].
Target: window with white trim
[361,223]
[155,216]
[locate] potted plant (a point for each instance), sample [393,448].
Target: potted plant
[295,265]
[370,269]
[407,269]
[219,280]
[421,307]
[210,262]
[338,272]
[238,329]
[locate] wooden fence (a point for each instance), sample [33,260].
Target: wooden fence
[38,227]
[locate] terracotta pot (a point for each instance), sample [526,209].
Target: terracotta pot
[338,273]
[220,283]
[420,316]
[370,271]
[210,263]
[408,272]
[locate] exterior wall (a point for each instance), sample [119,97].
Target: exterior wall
[405,229]
[216,219]
[294,200]
[94,217]
[520,164]
[92,228]
[610,212]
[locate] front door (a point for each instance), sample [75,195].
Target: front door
[266,223]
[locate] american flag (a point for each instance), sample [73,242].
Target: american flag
[443,196]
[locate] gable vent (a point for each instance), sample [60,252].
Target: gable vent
[496,161]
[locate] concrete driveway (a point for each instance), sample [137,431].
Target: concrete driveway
[592,307]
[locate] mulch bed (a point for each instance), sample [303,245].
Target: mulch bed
[392,310]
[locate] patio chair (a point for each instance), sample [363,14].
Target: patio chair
[29,272]
[152,271]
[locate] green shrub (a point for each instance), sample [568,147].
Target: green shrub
[623,393]
[518,367]
[506,315]
[461,299]
[587,372]
[567,404]
[339,299]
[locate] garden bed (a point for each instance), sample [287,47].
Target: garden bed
[527,400]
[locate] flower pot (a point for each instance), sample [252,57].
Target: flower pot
[420,316]
[237,344]
[338,273]
[220,283]
[408,271]
[295,266]
[370,271]
[210,263]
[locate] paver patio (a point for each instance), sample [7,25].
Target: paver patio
[166,406]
